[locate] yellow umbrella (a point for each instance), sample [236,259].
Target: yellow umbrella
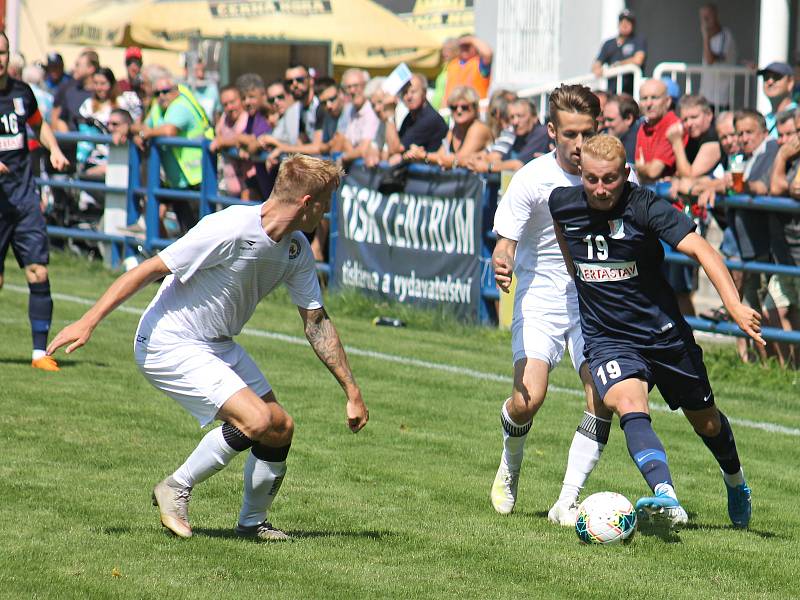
[360,32]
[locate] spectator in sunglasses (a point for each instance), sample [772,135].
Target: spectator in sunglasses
[299,84]
[469,135]
[287,130]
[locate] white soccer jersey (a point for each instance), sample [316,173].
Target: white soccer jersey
[221,269]
[523,215]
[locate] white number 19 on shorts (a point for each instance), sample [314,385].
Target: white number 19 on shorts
[613,370]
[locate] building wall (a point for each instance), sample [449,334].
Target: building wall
[672,29]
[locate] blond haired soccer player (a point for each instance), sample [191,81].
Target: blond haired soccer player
[215,277]
[635,336]
[545,321]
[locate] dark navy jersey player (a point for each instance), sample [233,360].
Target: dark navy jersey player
[22,225]
[635,337]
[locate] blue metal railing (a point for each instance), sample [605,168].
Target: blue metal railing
[207,196]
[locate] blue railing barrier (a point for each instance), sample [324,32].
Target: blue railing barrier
[207,197]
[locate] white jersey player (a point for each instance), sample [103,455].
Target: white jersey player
[215,277]
[546,319]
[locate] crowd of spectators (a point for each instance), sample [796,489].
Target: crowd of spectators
[693,141]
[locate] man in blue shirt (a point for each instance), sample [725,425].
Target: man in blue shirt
[635,337]
[626,48]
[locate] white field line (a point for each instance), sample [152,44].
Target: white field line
[415,362]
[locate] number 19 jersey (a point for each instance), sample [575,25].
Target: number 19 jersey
[622,292]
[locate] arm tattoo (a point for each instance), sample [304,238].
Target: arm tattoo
[324,339]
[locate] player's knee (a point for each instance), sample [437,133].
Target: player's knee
[706,425]
[36,274]
[525,403]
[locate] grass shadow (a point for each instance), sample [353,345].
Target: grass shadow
[62,362]
[766,535]
[298,534]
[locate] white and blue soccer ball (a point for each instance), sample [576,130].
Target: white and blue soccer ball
[606,518]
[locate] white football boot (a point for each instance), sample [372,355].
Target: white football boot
[504,490]
[563,513]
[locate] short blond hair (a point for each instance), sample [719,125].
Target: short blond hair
[300,175]
[604,147]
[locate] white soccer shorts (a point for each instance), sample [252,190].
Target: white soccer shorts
[201,377]
[545,334]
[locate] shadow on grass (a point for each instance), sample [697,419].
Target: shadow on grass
[62,362]
[766,535]
[299,534]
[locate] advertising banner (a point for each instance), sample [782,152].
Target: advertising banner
[420,245]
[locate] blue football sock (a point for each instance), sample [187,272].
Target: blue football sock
[40,312]
[723,447]
[646,449]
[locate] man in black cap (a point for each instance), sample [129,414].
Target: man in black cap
[778,85]
[626,48]
[54,72]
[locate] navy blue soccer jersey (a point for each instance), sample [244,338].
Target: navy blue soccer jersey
[18,108]
[622,293]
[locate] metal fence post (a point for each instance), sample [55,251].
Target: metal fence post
[116,203]
[208,183]
[151,209]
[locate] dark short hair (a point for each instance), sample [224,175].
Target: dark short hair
[575,99]
[230,88]
[92,58]
[784,115]
[323,83]
[627,106]
[750,113]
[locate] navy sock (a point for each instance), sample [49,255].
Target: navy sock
[723,447]
[646,449]
[40,313]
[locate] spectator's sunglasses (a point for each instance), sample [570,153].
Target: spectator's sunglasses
[773,76]
[274,99]
[291,80]
[461,107]
[164,92]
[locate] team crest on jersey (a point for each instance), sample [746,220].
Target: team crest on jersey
[617,229]
[19,106]
[294,249]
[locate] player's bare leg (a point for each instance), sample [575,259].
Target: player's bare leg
[587,445]
[628,399]
[714,429]
[516,417]
[40,313]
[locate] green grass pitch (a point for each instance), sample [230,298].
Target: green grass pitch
[398,511]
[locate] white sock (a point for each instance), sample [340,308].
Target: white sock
[513,445]
[581,460]
[665,489]
[211,455]
[262,480]
[735,479]
[37,354]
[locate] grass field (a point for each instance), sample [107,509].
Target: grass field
[398,511]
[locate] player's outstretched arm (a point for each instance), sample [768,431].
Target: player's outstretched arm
[562,244]
[126,285]
[748,320]
[324,339]
[503,262]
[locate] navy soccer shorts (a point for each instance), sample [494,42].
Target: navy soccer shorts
[25,230]
[677,371]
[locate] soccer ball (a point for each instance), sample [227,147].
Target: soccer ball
[606,518]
